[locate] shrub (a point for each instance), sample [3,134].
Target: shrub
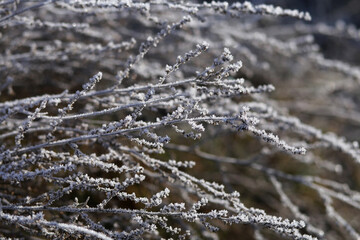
[132,119]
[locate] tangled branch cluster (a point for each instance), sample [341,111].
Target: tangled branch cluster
[113,112]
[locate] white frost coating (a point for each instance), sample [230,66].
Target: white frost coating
[97,96]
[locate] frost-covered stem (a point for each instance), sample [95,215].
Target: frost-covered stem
[29,221]
[337,218]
